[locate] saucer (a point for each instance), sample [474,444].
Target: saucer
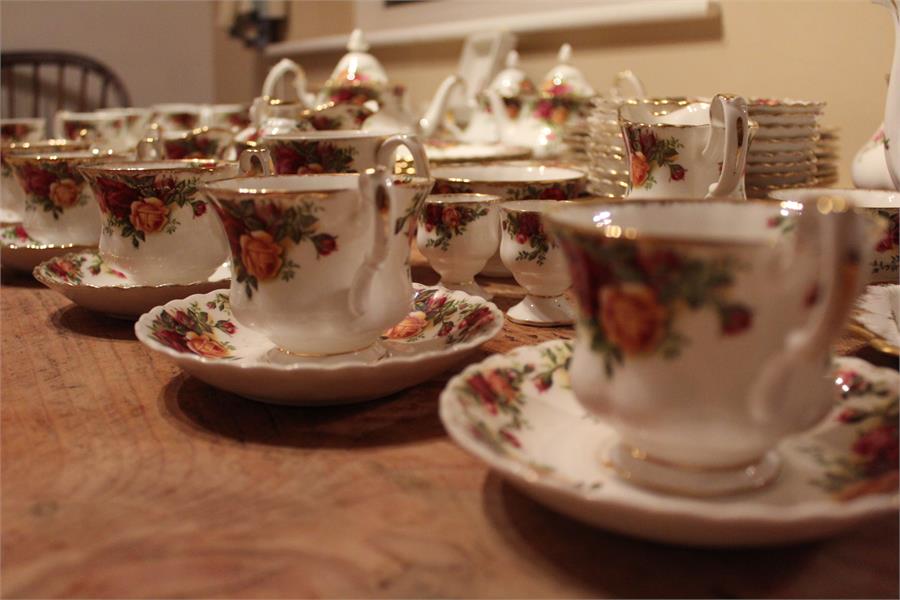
[465,152]
[876,318]
[21,252]
[86,280]
[201,335]
[517,413]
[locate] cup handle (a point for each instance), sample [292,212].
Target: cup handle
[385,154]
[375,192]
[627,85]
[58,128]
[843,246]
[150,147]
[262,156]
[730,113]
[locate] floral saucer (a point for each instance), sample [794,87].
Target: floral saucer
[200,334]
[21,252]
[86,280]
[877,318]
[517,413]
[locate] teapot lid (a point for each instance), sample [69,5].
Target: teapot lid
[564,79]
[357,67]
[512,81]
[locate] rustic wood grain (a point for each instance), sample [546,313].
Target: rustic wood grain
[122,477]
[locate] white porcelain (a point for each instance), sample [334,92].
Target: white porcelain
[517,414]
[536,262]
[87,280]
[787,132]
[442,329]
[870,169]
[178,116]
[156,226]
[135,120]
[879,204]
[784,106]
[227,116]
[510,182]
[22,130]
[315,152]
[755,157]
[356,67]
[686,304]
[765,120]
[473,152]
[794,168]
[59,205]
[394,113]
[566,75]
[458,233]
[320,262]
[203,142]
[21,252]
[689,150]
[878,311]
[103,129]
[804,144]
[892,101]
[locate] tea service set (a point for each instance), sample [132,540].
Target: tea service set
[698,402]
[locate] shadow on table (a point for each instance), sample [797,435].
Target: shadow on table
[90,324]
[614,565]
[403,418]
[13,278]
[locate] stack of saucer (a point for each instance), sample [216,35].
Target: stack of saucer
[827,155]
[607,164]
[576,137]
[783,151]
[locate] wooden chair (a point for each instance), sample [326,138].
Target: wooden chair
[56,81]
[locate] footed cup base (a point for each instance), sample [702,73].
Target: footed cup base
[542,311]
[640,469]
[470,287]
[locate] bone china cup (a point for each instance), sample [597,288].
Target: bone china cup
[156,225]
[458,233]
[536,262]
[101,128]
[885,264]
[22,130]
[703,330]
[59,205]
[320,262]
[341,151]
[686,149]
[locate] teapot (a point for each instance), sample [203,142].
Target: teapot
[869,170]
[394,115]
[892,103]
[563,96]
[513,88]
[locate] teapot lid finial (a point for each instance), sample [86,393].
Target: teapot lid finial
[512,59]
[565,54]
[357,42]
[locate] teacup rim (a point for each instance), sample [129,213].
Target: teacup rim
[17,159]
[217,188]
[49,143]
[781,195]
[204,165]
[577,175]
[632,235]
[12,120]
[520,206]
[327,134]
[464,198]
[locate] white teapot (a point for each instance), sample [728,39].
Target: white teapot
[892,104]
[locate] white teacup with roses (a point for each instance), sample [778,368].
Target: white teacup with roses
[680,148]
[155,224]
[59,205]
[458,233]
[536,262]
[704,332]
[320,263]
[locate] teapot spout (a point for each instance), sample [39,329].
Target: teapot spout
[498,111]
[428,124]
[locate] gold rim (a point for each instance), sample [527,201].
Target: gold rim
[215,188]
[207,165]
[475,198]
[873,339]
[23,159]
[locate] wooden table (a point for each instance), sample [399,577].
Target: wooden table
[123,477]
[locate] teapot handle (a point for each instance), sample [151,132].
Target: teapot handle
[627,85]
[375,193]
[843,246]
[385,154]
[263,158]
[730,113]
[277,73]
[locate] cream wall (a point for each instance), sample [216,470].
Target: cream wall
[163,50]
[834,50]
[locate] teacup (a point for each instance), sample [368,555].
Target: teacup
[703,332]
[177,116]
[227,116]
[340,151]
[59,205]
[458,233]
[22,130]
[203,142]
[320,263]
[536,262]
[98,128]
[885,264]
[136,121]
[686,149]
[155,223]
[12,199]
[510,182]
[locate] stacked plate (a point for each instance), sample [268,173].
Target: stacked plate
[607,165]
[783,151]
[827,156]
